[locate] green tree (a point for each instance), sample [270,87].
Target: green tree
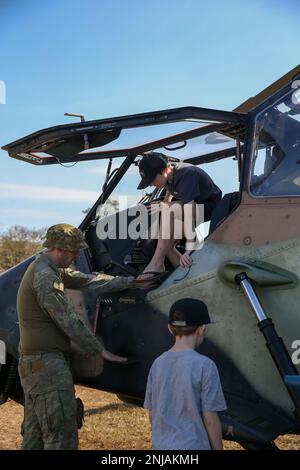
[111,206]
[18,243]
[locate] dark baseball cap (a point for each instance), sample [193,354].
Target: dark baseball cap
[193,312]
[151,165]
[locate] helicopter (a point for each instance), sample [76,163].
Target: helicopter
[247,270]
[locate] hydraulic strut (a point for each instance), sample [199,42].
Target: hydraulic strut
[274,343]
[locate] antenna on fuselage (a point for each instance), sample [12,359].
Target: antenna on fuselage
[85,136]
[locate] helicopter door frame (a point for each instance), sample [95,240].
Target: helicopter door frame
[250,142]
[27,148]
[65,139]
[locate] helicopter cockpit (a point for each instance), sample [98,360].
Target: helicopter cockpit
[194,135]
[259,140]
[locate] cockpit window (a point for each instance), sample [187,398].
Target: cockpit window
[276,160]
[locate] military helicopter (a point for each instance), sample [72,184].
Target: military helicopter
[247,270]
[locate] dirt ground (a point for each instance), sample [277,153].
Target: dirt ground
[109,425]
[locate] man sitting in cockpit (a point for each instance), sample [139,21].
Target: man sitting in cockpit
[186,182]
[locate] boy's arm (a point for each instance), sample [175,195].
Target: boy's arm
[214,430]
[189,211]
[168,197]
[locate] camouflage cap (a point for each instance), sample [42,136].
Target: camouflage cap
[65,237]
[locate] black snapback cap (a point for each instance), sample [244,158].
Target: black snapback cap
[193,312]
[151,165]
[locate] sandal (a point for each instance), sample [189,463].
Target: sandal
[156,278]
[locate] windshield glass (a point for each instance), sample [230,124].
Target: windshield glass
[198,145]
[276,160]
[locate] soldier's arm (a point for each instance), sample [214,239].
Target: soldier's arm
[50,295]
[101,283]
[75,279]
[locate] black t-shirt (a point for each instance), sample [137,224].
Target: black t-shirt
[191,183]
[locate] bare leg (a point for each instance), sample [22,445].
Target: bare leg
[166,243]
[157,263]
[173,254]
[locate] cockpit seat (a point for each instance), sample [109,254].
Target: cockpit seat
[119,255]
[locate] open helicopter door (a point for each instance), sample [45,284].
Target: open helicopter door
[69,143]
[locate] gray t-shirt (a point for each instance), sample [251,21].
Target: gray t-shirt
[181,385]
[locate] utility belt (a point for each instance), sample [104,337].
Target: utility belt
[31,363]
[30,368]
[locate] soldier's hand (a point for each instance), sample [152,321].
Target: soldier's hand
[108,356]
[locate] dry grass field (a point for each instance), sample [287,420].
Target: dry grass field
[109,424]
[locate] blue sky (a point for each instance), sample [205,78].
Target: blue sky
[107,58]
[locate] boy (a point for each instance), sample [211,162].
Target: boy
[183,392]
[186,182]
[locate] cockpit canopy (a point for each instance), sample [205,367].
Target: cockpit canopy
[276,158]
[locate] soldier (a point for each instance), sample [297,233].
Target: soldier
[48,323]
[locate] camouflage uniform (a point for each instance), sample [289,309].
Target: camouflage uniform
[50,406]
[47,325]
